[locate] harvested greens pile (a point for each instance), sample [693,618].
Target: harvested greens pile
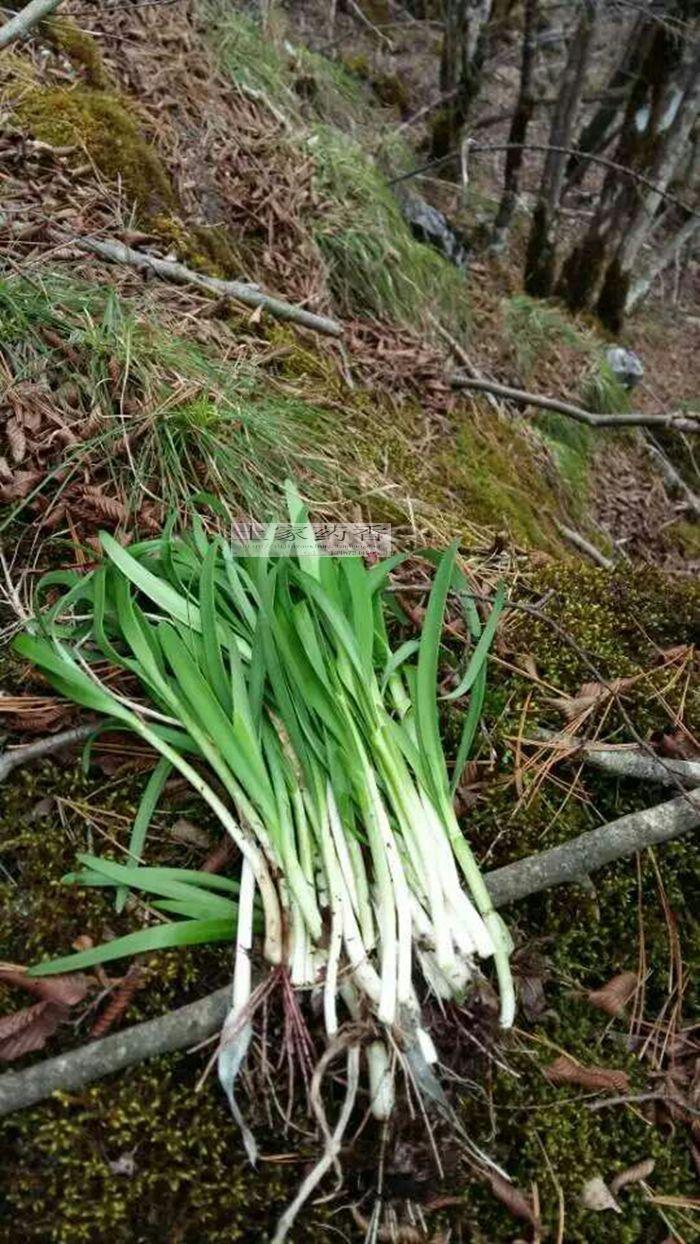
[276,677]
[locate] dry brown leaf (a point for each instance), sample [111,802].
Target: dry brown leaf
[185,831]
[526,662]
[532,996]
[514,1200]
[614,996]
[677,653]
[597,1196]
[633,1174]
[565,1070]
[65,990]
[106,507]
[20,485]
[16,439]
[221,855]
[676,745]
[589,696]
[29,1029]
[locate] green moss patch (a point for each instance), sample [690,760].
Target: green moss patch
[81,49]
[106,128]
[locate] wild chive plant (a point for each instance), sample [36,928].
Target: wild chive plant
[276,677]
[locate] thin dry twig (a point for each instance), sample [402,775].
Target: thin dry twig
[43,747]
[584,546]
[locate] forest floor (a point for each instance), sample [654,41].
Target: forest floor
[128,398]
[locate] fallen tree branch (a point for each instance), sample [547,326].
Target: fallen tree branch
[638,419]
[19,26]
[193,1023]
[672,478]
[250,295]
[626,761]
[68,1072]
[587,156]
[584,546]
[9,760]
[574,860]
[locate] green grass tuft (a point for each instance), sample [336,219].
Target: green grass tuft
[537,328]
[293,79]
[602,391]
[173,420]
[375,266]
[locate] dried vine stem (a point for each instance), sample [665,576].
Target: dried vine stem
[19,26]
[250,295]
[179,1029]
[682,423]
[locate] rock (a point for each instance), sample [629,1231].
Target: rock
[429,225]
[626,366]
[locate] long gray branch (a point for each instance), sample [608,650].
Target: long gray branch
[250,295]
[575,860]
[190,1024]
[642,768]
[628,762]
[633,419]
[19,26]
[173,1031]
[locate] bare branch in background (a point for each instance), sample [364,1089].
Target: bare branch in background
[464,48]
[664,257]
[522,116]
[600,130]
[661,111]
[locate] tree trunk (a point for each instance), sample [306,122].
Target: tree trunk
[599,267]
[518,130]
[463,51]
[540,261]
[601,129]
[671,148]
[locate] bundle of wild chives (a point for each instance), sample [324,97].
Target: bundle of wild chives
[276,677]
